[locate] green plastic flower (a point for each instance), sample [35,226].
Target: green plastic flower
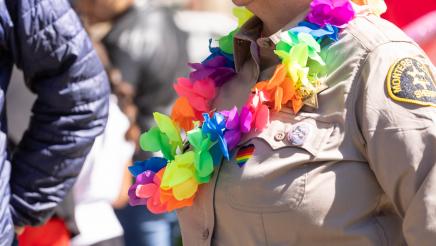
[295,50]
[203,158]
[165,137]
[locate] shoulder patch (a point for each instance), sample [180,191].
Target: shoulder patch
[410,81]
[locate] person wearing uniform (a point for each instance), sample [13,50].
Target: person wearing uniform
[355,166]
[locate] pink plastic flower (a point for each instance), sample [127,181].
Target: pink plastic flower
[334,12]
[147,191]
[259,111]
[199,93]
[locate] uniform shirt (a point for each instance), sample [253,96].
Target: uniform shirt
[359,170]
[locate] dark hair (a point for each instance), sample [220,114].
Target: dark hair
[125,94]
[123,90]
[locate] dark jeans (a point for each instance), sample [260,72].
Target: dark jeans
[142,228]
[118,241]
[15,242]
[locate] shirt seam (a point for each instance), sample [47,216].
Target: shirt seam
[353,93]
[369,50]
[376,220]
[382,230]
[357,80]
[213,221]
[401,129]
[263,228]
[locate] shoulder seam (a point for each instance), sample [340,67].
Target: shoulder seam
[385,39]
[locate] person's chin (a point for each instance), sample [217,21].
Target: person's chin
[242,3]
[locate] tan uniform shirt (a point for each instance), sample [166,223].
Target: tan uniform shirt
[359,170]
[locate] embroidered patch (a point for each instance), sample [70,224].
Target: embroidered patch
[244,154]
[411,81]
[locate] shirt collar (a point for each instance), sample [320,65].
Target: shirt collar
[249,33]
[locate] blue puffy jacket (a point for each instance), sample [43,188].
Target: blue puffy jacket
[45,39]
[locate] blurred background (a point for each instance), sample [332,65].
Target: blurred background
[144,46]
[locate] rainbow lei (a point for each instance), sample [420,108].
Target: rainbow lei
[171,182]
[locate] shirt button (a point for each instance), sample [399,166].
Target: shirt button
[205,234]
[279,136]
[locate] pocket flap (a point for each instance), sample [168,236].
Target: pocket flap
[306,133]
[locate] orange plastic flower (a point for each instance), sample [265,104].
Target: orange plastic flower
[183,114]
[172,203]
[297,103]
[280,90]
[163,201]
[166,197]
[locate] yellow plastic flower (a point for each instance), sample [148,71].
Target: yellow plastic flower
[242,14]
[179,176]
[377,7]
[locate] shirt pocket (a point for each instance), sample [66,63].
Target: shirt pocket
[274,178]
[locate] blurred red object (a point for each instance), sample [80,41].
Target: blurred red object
[53,233]
[417,20]
[403,12]
[423,31]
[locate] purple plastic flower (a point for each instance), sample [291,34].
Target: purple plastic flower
[215,69]
[334,12]
[236,125]
[142,179]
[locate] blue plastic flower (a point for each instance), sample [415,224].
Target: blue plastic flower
[214,128]
[216,51]
[318,32]
[153,164]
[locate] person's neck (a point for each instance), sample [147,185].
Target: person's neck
[278,13]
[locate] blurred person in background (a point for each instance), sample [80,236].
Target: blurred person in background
[149,50]
[59,66]
[104,181]
[57,231]
[418,22]
[145,44]
[201,21]
[87,216]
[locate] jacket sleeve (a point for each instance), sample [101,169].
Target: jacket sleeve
[62,69]
[400,134]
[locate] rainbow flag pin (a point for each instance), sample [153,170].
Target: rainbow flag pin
[244,154]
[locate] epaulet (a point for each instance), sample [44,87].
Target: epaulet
[372,31]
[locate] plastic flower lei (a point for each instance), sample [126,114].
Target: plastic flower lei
[170,182]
